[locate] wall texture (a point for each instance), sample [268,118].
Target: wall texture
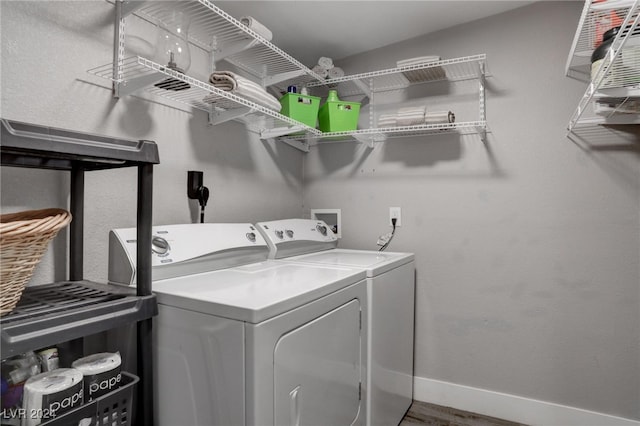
[527,248]
[47,48]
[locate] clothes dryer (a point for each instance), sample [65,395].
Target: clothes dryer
[242,340]
[390,293]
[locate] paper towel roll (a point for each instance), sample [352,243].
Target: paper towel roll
[101,373]
[439,117]
[51,394]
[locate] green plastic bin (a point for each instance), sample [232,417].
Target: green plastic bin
[302,108]
[338,116]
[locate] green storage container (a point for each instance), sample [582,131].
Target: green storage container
[338,116]
[302,108]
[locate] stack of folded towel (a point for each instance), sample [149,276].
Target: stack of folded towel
[425,74]
[326,69]
[415,116]
[256,26]
[243,87]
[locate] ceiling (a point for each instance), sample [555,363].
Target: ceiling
[309,29]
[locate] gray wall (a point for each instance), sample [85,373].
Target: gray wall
[47,48]
[527,247]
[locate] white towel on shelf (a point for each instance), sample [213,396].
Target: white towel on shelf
[418,60]
[336,72]
[410,116]
[439,117]
[326,63]
[387,120]
[321,71]
[240,86]
[256,26]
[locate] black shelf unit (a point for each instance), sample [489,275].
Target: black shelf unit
[68,310]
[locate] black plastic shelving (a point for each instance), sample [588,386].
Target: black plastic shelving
[68,310]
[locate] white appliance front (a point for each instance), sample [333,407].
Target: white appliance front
[263,343]
[390,292]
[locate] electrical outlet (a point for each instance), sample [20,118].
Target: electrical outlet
[395,213]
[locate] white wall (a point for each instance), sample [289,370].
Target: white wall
[47,48]
[527,248]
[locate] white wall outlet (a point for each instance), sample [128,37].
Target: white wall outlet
[395,213]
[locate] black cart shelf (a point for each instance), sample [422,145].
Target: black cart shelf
[67,310]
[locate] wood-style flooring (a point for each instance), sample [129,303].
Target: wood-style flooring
[422,413]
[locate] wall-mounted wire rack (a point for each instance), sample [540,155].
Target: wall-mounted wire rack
[401,78]
[222,37]
[612,96]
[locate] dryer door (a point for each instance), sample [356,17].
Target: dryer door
[317,370]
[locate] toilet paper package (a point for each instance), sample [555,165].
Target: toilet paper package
[51,394]
[101,373]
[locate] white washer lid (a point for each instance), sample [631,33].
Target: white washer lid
[255,292]
[375,262]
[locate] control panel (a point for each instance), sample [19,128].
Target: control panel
[202,246]
[290,237]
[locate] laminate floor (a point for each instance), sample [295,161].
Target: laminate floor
[422,413]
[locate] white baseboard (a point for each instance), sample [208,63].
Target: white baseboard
[510,407]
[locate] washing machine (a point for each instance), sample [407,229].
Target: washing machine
[390,293]
[243,340]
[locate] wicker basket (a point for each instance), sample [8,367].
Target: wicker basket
[24,238]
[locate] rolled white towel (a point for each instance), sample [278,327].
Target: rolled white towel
[326,63]
[439,117]
[411,111]
[256,26]
[336,72]
[321,71]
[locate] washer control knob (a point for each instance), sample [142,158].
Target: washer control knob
[289,233]
[160,246]
[279,234]
[251,236]
[322,229]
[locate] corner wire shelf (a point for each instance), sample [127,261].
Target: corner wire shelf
[141,73]
[612,97]
[219,33]
[377,135]
[457,69]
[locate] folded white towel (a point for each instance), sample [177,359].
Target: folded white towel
[325,62]
[418,60]
[256,26]
[387,120]
[321,71]
[336,72]
[243,87]
[411,111]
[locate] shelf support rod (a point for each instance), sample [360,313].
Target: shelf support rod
[76,228]
[364,139]
[301,145]
[279,131]
[219,117]
[278,78]
[118,48]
